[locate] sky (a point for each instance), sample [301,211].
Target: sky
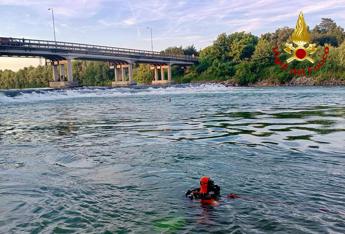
[173,22]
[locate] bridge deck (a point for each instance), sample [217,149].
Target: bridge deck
[59,50]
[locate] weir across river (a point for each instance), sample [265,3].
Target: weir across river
[61,54]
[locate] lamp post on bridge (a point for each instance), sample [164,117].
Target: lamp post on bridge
[150,28]
[53,18]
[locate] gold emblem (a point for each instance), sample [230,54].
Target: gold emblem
[300,49]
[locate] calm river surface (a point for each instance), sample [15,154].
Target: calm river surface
[120,160]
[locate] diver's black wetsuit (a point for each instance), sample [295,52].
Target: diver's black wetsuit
[213,193]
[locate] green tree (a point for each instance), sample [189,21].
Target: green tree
[143,74]
[221,48]
[328,32]
[341,55]
[242,46]
[190,50]
[263,55]
[244,74]
[173,51]
[219,60]
[206,58]
[279,37]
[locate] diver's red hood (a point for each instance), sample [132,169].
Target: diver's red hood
[204,184]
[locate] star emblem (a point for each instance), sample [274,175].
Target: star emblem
[300,48]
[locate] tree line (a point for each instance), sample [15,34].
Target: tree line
[238,58]
[242,58]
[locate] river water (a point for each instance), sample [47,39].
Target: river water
[120,160]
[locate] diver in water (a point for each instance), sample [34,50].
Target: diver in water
[208,190]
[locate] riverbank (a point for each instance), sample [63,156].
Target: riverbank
[298,81]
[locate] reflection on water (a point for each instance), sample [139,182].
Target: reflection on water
[95,160]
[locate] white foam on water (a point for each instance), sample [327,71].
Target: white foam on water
[47,95]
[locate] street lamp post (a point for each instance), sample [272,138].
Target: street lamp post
[52,10]
[150,28]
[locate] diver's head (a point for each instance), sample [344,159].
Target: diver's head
[205,184]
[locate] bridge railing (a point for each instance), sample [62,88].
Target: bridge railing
[85,48]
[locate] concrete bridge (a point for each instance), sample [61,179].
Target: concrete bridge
[61,54]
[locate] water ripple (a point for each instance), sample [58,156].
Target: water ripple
[119,160]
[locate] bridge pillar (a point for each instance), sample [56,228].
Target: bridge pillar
[55,73]
[115,73]
[123,75]
[59,79]
[156,73]
[162,72]
[69,70]
[62,72]
[162,81]
[120,71]
[169,73]
[130,73]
